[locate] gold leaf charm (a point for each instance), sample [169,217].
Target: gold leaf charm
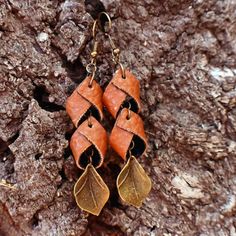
[90,191]
[133,183]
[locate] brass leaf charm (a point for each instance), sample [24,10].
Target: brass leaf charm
[90,191]
[133,183]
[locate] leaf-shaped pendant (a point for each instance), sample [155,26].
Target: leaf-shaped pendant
[90,191]
[133,183]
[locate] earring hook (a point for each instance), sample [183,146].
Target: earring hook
[115,50]
[94,29]
[98,23]
[108,19]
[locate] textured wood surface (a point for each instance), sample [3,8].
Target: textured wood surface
[184,54]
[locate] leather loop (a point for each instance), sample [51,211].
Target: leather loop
[119,90]
[86,137]
[83,99]
[127,130]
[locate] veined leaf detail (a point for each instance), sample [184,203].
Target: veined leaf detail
[133,183]
[90,191]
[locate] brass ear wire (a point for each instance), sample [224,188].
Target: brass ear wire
[115,50]
[102,28]
[91,67]
[115,54]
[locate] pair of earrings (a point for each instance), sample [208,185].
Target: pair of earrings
[89,142]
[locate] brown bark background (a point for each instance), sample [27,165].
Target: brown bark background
[183,52]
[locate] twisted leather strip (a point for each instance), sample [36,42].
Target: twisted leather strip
[119,89]
[82,99]
[124,131]
[86,136]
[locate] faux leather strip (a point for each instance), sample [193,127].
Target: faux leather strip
[118,89]
[124,131]
[82,99]
[86,136]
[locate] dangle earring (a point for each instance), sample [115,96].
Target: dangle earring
[128,139]
[89,142]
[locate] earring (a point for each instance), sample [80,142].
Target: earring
[89,141]
[128,139]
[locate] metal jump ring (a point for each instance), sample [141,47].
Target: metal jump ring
[92,79]
[90,157]
[122,70]
[89,121]
[131,148]
[129,112]
[91,67]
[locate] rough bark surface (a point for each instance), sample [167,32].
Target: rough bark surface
[183,52]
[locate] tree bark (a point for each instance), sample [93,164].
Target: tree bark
[184,54]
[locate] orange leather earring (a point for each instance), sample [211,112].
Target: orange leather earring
[89,142]
[128,139]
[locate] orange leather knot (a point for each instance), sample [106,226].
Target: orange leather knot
[89,144]
[85,101]
[121,90]
[128,134]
